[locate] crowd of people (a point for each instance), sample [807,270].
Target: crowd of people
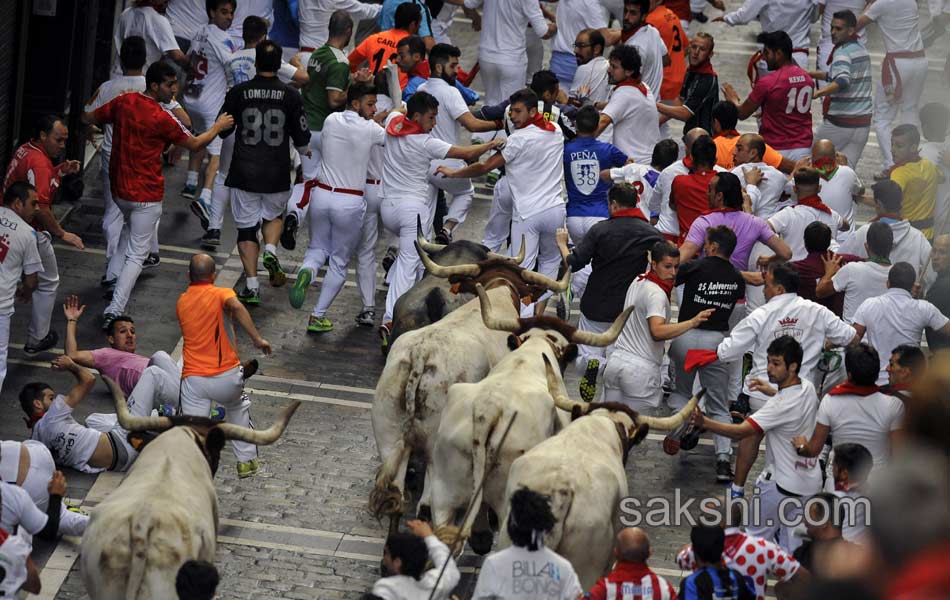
[345,119]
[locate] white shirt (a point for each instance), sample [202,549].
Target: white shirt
[247,8]
[70,443]
[573,16]
[635,120]
[838,193]
[790,16]
[403,587]
[859,281]
[14,552]
[865,420]
[833,6]
[346,142]
[931,151]
[667,222]
[791,221]
[406,164]
[896,318]
[910,246]
[593,76]
[534,163]
[146,22]
[641,177]
[374,170]
[240,67]
[451,107]
[648,42]
[789,413]
[314,18]
[650,301]
[210,52]
[517,574]
[808,322]
[186,17]
[18,510]
[767,200]
[897,20]
[18,256]
[502,40]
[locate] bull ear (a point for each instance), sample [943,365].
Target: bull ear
[624,441]
[570,354]
[514,342]
[640,434]
[577,412]
[214,443]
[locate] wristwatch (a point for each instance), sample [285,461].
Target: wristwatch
[799,448]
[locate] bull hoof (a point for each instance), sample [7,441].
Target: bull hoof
[481,542]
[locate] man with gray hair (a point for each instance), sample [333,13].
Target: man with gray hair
[631,550]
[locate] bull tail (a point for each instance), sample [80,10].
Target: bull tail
[386,497]
[435,305]
[483,426]
[561,503]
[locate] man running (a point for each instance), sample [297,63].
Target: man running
[636,32]
[631,108]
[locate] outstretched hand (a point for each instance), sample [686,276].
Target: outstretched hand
[72,309]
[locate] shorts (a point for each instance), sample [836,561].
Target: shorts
[250,208]
[202,121]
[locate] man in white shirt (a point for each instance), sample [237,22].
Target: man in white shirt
[409,148]
[573,17]
[590,79]
[896,317]
[791,411]
[336,213]
[533,160]
[314,19]
[143,20]
[859,280]
[631,107]
[646,39]
[791,221]
[791,16]
[828,9]
[665,216]
[839,187]
[186,18]
[765,193]
[642,177]
[404,563]
[934,125]
[20,260]
[443,67]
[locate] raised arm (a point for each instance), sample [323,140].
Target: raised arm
[195,143]
[73,310]
[84,379]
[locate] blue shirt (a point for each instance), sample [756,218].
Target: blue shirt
[387,16]
[286,30]
[709,583]
[584,159]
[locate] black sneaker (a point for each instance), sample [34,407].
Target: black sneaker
[107,283]
[288,236]
[199,207]
[388,259]
[444,237]
[700,17]
[107,320]
[152,260]
[740,406]
[250,367]
[249,296]
[43,345]
[211,238]
[724,471]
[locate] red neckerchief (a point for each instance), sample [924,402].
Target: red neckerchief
[814,202]
[721,209]
[635,83]
[688,163]
[32,420]
[629,212]
[728,134]
[666,286]
[624,36]
[915,158]
[826,167]
[402,126]
[852,389]
[703,69]
[538,121]
[900,387]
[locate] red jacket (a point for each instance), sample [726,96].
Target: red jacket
[633,578]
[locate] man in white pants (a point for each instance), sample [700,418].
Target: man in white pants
[533,158]
[631,107]
[410,146]
[646,39]
[211,370]
[336,212]
[794,17]
[903,71]
[443,66]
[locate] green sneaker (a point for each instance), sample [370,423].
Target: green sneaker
[249,296]
[319,324]
[298,293]
[588,383]
[249,468]
[274,270]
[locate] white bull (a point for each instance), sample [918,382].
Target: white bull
[476,416]
[422,364]
[581,470]
[165,511]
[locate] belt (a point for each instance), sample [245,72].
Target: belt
[890,76]
[373,181]
[324,186]
[768,477]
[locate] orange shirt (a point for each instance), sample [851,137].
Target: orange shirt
[726,145]
[379,50]
[677,43]
[206,351]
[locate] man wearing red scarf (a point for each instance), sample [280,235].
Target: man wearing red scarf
[700,89]
[689,193]
[791,221]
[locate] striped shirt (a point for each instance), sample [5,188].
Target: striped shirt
[850,68]
[631,581]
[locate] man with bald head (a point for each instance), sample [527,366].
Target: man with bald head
[212,372]
[764,183]
[839,185]
[667,224]
[632,549]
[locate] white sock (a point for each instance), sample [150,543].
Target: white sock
[252,283]
[206,195]
[270,248]
[192,178]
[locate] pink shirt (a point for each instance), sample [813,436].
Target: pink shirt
[749,229]
[785,98]
[124,367]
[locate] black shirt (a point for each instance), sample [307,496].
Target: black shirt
[268,114]
[617,250]
[699,93]
[939,296]
[710,282]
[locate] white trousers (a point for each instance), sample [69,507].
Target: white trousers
[540,245]
[37,479]
[44,296]
[768,525]
[159,384]
[4,345]
[310,166]
[336,221]
[586,353]
[849,141]
[578,227]
[534,49]
[366,249]
[220,193]
[890,112]
[134,243]
[399,217]
[634,381]
[501,81]
[461,190]
[112,222]
[226,389]
[499,217]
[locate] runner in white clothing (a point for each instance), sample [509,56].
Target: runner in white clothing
[314,16]
[573,17]
[790,222]
[859,280]
[839,187]
[631,107]
[590,79]
[828,8]
[646,39]
[662,214]
[143,20]
[765,184]
[791,16]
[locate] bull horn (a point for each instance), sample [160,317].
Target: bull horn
[261,438]
[517,260]
[470,270]
[557,391]
[426,245]
[491,321]
[126,420]
[589,338]
[547,282]
[673,421]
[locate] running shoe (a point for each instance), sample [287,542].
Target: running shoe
[389,258]
[367,318]
[700,17]
[288,236]
[166,410]
[211,238]
[152,260]
[298,293]
[218,413]
[249,296]
[201,210]
[274,270]
[43,345]
[249,468]
[588,383]
[189,191]
[107,320]
[319,324]
[724,471]
[107,283]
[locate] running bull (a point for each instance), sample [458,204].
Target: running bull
[165,511]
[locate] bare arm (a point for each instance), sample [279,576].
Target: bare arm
[779,246]
[73,311]
[84,379]
[611,36]
[660,330]
[812,447]
[195,143]
[179,57]
[604,122]
[737,432]
[239,313]
[495,161]
[32,583]
[674,111]
[468,153]
[859,332]
[688,250]
[474,124]
[336,98]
